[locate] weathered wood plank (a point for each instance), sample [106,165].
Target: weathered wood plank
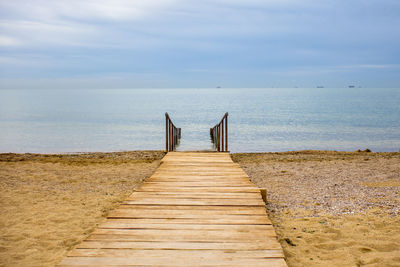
[232,232]
[189,207]
[128,224]
[167,237]
[180,235]
[196,184]
[199,183]
[168,261]
[154,215]
[195,202]
[235,221]
[271,244]
[199,178]
[191,196]
[195,194]
[161,253]
[148,188]
[206,213]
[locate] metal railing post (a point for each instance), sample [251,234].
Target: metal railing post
[226,132]
[219,134]
[172,134]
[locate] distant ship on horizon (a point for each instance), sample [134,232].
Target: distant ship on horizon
[320,86]
[352,86]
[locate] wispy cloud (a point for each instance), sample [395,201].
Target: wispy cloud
[71,22]
[84,10]
[28,33]
[370,66]
[8,41]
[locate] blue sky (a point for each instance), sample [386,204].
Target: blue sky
[171,43]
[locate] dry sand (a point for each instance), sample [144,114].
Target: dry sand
[49,203]
[332,208]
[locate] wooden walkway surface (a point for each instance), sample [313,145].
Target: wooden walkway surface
[197,209]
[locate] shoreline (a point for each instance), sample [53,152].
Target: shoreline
[366,150]
[328,208]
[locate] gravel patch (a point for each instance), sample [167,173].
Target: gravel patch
[327,182]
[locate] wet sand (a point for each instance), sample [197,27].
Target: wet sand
[332,208]
[328,208]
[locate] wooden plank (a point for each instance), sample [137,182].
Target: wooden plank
[189,207]
[162,253]
[192,196]
[184,213]
[199,159]
[225,221]
[204,175]
[128,224]
[200,164]
[195,195]
[121,214]
[264,244]
[183,245]
[174,156]
[195,233]
[166,237]
[206,167]
[180,235]
[196,202]
[210,181]
[186,165]
[152,188]
[200,192]
[202,181]
[192,184]
[168,261]
[199,178]
[200,172]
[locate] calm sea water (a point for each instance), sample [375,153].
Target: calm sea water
[50,121]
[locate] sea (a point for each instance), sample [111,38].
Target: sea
[260,120]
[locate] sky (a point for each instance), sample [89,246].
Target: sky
[77,44]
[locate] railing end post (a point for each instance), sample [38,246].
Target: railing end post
[219,134]
[172,134]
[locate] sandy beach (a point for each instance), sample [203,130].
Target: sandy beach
[328,208]
[49,203]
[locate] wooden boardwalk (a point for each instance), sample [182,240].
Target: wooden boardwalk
[197,209]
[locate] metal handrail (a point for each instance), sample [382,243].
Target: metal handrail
[219,134]
[172,134]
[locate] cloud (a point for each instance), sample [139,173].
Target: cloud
[370,66]
[202,38]
[28,33]
[71,22]
[84,10]
[173,22]
[8,41]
